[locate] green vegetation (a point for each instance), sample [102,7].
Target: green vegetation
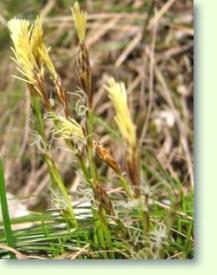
[102,167]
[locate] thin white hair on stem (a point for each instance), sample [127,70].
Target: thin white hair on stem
[92,135]
[57,200]
[75,150]
[80,108]
[63,149]
[40,145]
[135,234]
[52,101]
[159,236]
[146,189]
[79,93]
[47,116]
[88,194]
[57,136]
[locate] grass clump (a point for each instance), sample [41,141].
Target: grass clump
[145,218]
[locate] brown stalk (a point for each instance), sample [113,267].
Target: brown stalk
[133,164]
[34,92]
[103,198]
[62,96]
[42,89]
[84,70]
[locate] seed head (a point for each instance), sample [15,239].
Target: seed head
[80,20]
[31,54]
[118,96]
[106,156]
[24,58]
[40,52]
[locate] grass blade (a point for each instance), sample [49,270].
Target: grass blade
[5,212]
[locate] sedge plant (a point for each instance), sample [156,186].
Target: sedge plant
[34,63]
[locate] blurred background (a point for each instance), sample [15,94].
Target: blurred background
[147,44]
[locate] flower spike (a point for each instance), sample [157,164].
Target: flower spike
[80,20]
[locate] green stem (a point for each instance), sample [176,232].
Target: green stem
[102,231]
[90,145]
[5,212]
[125,186]
[57,180]
[52,169]
[143,214]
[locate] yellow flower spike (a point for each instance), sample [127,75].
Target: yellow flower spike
[24,58]
[118,96]
[80,20]
[31,54]
[67,128]
[39,50]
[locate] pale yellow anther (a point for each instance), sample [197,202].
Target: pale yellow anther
[24,58]
[118,96]
[39,49]
[36,39]
[80,20]
[31,54]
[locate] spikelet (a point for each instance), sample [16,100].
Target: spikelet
[62,96]
[44,55]
[103,198]
[36,39]
[84,71]
[80,20]
[39,50]
[24,58]
[106,156]
[31,54]
[66,128]
[41,54]
[118,96]
[83,62]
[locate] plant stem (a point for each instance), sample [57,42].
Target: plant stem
[125,186]
[102,231]
[52,169]
[90,145]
